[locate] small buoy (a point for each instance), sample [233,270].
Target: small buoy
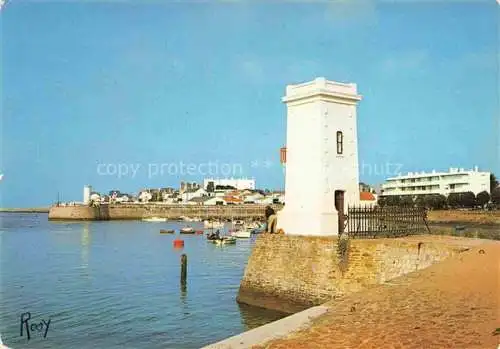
[178,243]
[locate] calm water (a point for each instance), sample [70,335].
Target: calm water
[116,285]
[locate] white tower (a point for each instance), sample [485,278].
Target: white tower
[321,176]
[86,194]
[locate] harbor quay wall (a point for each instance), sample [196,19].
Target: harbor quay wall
[292,273]
[133,212]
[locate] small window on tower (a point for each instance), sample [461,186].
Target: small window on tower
[340,142]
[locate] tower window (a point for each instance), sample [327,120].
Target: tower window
[340,142]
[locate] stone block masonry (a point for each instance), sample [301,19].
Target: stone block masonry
[131,211]
[292,273]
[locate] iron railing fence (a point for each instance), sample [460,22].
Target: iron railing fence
[388,221]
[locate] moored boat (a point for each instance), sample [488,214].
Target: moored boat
[213,224]
[154,219]
[187,230]
[258,230]
[213,236]
[167,231]
[226,240]
[239,223]
[241,234]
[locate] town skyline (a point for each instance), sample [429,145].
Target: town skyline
[89,85]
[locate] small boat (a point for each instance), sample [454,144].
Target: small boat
[258,230]
[241,234]
[213,236]
[167,231]
[213,224]
[187,230]
[239,223]
[199,232]
[460,227]
[154,219]
[226,240]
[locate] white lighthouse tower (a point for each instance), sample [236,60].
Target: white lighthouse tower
[321,176]
[87,189]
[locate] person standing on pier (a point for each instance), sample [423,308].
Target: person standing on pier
[271,220]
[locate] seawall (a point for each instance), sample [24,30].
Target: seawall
[131,212]
[293,273]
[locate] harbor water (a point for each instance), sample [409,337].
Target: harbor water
[116,284]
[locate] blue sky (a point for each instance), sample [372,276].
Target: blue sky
[92,87]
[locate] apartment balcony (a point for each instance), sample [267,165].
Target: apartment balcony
[413,192]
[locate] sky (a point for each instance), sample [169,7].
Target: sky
[140,94]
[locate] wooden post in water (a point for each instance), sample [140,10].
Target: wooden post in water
[184,261]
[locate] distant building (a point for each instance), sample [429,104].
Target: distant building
[145,196]
[365,187]
[253,198]
[232,200]
[185,186]
[167,190]
[193,193]
[198,200]
[215,200]
[86,194]
[367,198]
[454,181]
[237,183]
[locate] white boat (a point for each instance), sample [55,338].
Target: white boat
[252,225]
[242,234]
[239,223]
[187,230]
[226,240]
[154,219]
[214,224]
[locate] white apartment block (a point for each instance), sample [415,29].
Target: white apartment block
[456,180]
[240,184]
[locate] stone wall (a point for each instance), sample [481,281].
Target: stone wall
[73,213]
[291,273]
[130,211]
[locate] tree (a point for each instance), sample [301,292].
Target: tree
[437,201]
[382,201]
[393,200]
[453,200]
[406,200]
[422,201]
[493,182]
[482,198]
[468,199]
[495,196]
[432,201]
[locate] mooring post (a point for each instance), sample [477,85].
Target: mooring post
[184,260]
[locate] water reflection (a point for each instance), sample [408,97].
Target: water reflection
[252,317]
[85,244]
[183,292]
